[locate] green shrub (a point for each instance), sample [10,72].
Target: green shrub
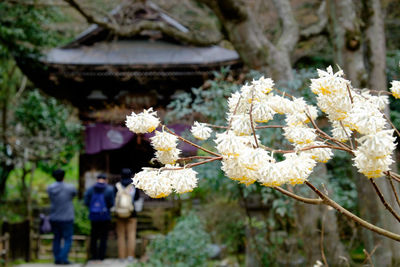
[81,223]
[186,245]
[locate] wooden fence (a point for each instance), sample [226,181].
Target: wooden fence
[44,251]
[4,249]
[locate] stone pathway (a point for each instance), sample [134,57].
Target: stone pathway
[105,263]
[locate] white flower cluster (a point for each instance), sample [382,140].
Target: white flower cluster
[348,111]
[243,161]
[144,122]
[201,131]
[395,89]
[243,158]
[158,183]
[165,145]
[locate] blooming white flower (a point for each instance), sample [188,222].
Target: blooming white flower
[372,168]
[201,131]
[184,180]
[337,107]
[237,104]
[271,175]
[263,85]
[280,104]
[230,144]
[318,154]
[300,109]
[377,145]
[395,89]
[144,122]
[297,167]
[154,183]
[168,156]
[366,118]
[329,82]
[299,134]
[163,141]
[241,124]
[234,169]
[339,132]
[261,111]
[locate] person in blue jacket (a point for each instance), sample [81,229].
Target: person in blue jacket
[99,199]
[61,216]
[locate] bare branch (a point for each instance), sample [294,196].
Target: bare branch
[383,200]
[197,38]
[190,143]
[394,189]
[352,216]
[312,201]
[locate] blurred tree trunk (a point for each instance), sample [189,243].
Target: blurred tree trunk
[246,35]
[314,220]
[357,32]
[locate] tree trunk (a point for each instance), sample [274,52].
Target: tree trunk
[376,64]
[310,220]
[254,48]
[362,54]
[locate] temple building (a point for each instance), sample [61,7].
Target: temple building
[107,78]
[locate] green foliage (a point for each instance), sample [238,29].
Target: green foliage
[22,31]
[47,130]
[186,245]
[223,220]
[341,182]
[81,222]
[210,102]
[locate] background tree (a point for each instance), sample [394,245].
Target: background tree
[21,34]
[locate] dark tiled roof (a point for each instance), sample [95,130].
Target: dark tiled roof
[140,52]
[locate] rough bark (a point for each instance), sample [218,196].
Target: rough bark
[361,52]
[253,46]
[376,65]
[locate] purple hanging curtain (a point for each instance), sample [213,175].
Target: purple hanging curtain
[100,136]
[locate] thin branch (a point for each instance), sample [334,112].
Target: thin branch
[394,190]
[313,201]
[383,200]
[396,178]
[391,124]
[322,240]
[363,223]
[251,119]
[348,136]
[192,164]
[193,158]
[313,147]
[269,126]
[350,95]
[191,143]
[216,126]
[325,135]
[134,29]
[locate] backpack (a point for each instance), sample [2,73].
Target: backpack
[45,226]
[97,209]
[123,201]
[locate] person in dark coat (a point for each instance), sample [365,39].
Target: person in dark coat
[99,199]
[126,224]
[61,216]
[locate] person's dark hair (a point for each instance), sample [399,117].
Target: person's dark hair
[102,176]
[126,173]
[59,175]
